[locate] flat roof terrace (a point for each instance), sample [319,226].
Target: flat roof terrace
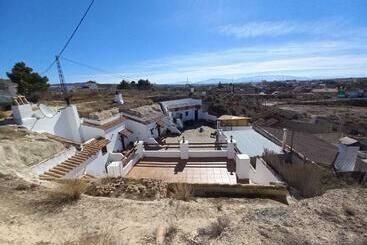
[193,170]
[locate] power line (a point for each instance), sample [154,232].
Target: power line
[70,38]
[76,28]
[48,68]
[96,68]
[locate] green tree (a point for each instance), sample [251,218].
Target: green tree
[133,84]
[123,85]
[30,84]
[144,84]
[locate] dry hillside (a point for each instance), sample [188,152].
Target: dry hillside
[20,149]
[137,213]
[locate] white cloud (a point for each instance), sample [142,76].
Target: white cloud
[278,28]
[323,58]
[255,29]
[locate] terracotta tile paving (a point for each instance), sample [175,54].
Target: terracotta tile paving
[191,171]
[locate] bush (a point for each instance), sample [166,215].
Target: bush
[182,191]
[69,190]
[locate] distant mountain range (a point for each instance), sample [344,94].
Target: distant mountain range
[250,79]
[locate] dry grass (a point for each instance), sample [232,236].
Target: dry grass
[89,238]
[68,191]
[216,228]
[305,177]
[182,191]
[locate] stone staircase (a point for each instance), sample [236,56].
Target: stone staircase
[89,150]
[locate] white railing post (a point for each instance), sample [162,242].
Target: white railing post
[184,149]
[140,149]
[231,153]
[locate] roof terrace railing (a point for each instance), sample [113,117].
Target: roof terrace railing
[193,145]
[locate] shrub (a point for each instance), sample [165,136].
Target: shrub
[182,191]
[69,190]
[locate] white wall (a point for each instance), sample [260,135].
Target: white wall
[163,153]
[263,174]
[208,117]
[52,162]
[65,123]
[90,132]
[189,117]
[96,167]
[142,131]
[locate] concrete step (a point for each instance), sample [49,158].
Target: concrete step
[82,158]
[72,165]
[52,174]
[45,177]
[57,171]
[63,167]
[74,161]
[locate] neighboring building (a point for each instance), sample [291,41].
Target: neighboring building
[183,109]
[232,122]
[147,121]
[92,85]
[75,87]
[352,156]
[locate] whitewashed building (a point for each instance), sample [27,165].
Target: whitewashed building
[146,121]
[186,110]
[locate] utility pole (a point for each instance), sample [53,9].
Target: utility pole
[62,81]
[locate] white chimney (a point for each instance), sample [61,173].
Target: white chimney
[118,98]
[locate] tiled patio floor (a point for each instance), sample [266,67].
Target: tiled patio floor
[198,170]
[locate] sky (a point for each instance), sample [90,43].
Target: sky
[170,41]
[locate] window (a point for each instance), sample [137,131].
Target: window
[186,113]
[104,150]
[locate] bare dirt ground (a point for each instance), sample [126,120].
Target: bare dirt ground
[20,149]
[352,118]
[194,135]
[87,102]
[28,217]
[325,110]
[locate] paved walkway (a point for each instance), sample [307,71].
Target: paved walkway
[198,170]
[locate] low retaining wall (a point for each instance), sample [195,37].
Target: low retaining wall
[163,153]
[278,193]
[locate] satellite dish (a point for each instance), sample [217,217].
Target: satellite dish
[45,110]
